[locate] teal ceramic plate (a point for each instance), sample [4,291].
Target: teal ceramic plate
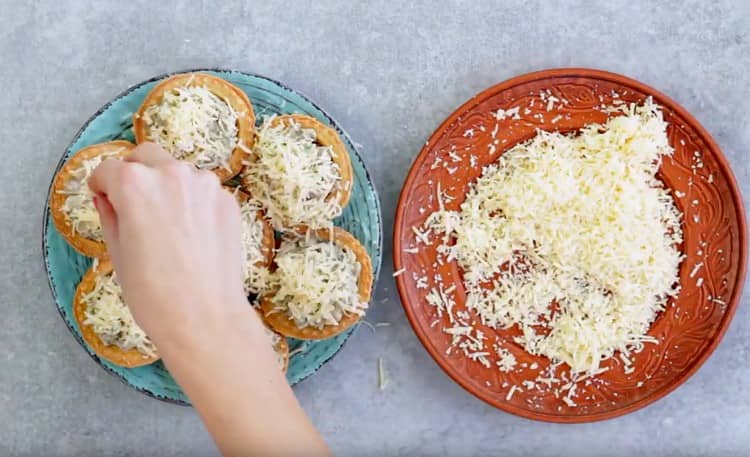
[113,121]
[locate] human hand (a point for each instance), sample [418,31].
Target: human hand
[173,234]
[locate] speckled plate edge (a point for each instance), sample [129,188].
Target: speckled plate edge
[378,246]
[663,100]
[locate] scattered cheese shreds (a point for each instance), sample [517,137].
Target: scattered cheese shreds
[577,237]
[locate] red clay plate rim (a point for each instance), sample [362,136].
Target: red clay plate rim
[662,100]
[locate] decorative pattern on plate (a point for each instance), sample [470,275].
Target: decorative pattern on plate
[114,121]
[705,191]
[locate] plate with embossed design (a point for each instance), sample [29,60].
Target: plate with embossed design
[714,232]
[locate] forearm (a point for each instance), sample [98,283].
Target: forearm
[230,373]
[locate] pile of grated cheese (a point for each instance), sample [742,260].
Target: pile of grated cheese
[316,282]
[293,177]
[255,272]
[194,125]
[110,318]
[78,206]
[572,239]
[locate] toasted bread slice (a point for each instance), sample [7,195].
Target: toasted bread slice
[281,322]
[85,246]
[129,358]
[324,136]
[226,91]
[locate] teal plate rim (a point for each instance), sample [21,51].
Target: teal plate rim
[46,224]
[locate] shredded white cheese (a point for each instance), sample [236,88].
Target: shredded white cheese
[255,272]
[576,236]
[316,282]
[293,177]
[110,318]
[194,125]
[78,206]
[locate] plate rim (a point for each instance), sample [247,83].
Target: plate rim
[126,92]
[664,100]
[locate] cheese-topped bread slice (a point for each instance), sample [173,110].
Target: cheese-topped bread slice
[105,321]
[71,200]
[321,285]
[299,171]
[201,119]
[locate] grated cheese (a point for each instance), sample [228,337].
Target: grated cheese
[110,318]
[78,206]
[194,125]
[255,273]
[578,222]
[315,282]
[293,177]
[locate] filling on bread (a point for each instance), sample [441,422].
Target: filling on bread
[78,206]
[110,318]
[255,271]
[293,177]
[315,282]
[194,125]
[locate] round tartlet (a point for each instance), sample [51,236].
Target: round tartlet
[324,136]
[86,246]
[283,324]
[269,237]
[230,94]
[129,358]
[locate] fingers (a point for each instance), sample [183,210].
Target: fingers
[105,178]
[150,154]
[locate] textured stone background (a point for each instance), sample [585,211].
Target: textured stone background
[389,74]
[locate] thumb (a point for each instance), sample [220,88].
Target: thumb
[108,217]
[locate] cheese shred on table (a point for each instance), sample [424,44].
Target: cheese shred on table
[78,206]
[293,177]
[315,282]
[194,125]
[110,318]
[572,239]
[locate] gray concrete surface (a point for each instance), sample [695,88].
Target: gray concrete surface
[389,74]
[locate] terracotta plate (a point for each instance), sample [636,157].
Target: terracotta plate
[714,231]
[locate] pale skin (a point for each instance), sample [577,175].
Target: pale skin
[173,235]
